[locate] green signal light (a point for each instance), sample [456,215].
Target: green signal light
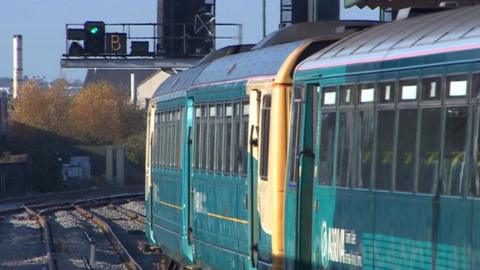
[94,30]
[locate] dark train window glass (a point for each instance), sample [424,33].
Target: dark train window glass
[228,137]
[365,135]
[196,133]
[408,90]
[430,144]
[457,86]
[405,159]
[329,96]
[385,146]
[386,92]
[169,140]
[476,85]
[174,135]
[212,114]
[327,144]
[475,184]
[346,94]
[431,89]
[244,147]
[155,140]
[454,170]
[265,136]
[163,139]
[236,140]
[180,139]
[219,138]
[204,139]
[171,156]
[367,93]
[296,119]
[345,169]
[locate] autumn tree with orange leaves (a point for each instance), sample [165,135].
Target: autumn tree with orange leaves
[46,123]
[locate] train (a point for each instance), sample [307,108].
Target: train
[339,145]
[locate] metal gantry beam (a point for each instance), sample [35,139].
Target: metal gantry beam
[127,63]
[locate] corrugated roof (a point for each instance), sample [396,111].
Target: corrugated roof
[256,63]
[422,35]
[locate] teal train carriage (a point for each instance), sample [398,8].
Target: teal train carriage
[384,168]
[215,175]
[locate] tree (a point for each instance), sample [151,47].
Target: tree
[99,115]
[40,109]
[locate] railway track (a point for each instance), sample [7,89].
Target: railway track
[50,234]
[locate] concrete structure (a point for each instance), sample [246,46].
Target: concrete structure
[115,165]
[17,64]
[147,87]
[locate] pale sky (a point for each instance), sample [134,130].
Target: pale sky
[42,24]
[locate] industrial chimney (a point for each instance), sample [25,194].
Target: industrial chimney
[17,64]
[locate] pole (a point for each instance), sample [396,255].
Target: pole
[133,89]
[264,17]
[17,64]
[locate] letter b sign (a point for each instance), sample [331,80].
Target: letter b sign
[116,43]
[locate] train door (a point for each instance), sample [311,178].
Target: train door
[251,200]
[151,118]
[187,193]
[474,190]
[298,203]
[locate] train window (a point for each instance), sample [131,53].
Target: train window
[198,116]
[476,85]
[203,139]
[346,94]
[329,96]
[219,138]
[265,139]
[244,146]
[367,93]
[296,118]
[386,92]
[236,148]
[179,138]
[228,137]
[475,184]
[457,86]
[405,159]
[344,172]
[385,148]
[169,139]
[429,156]
[327,143]
[454,172]
[365,134]
[211,137]
[408,90]
[431,89]
[156,140]
[163,138]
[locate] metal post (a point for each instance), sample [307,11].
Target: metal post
[264,17]
[17,64]
[184,39]
[92,248]
[133,90]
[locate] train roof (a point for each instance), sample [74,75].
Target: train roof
[180,82]
[264,62]
[441,32]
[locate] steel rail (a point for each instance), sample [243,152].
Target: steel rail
[117,245]
[67,204]
[132,215]
[46,235]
